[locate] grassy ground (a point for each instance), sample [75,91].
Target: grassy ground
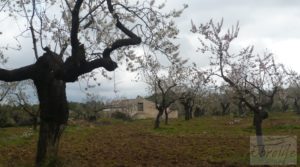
[206,141]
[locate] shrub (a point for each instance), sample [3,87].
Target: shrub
[6,120]
[121,115]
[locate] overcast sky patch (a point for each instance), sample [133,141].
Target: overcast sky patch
[271,25]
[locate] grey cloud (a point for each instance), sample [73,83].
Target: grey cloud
[264,23]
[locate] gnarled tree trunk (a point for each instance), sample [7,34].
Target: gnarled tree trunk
[225,108]
[53,109]
[166,117]
[191,112]
[186,113]
[284,105]
[241,108]
[296,105]
[199,111]
[258,117]
[157,120]
[188,105]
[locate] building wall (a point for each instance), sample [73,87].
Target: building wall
[150,111]
[130,107]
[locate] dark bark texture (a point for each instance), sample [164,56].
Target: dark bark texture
[53,107]
[199,111]
[296,105]
[188,104]
[157,120]
[166,117]
[241,108]
[284,104]
[225,108]
[165,102]
[257,123]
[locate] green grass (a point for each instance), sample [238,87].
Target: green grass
[206,126]
[205,141]
[16,136]
[286,127]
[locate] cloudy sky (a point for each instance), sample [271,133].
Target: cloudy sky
[267,24]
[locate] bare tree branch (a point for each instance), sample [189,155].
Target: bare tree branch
[91,11]
[5,93]
[30,21]
[32,30]
[69,7]
[23,73]
[75,28]
[133,40]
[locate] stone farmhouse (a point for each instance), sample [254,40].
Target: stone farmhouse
[138,108]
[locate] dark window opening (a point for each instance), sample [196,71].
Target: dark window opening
[140,107]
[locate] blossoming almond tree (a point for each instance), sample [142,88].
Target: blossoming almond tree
[293,89]
[81,35]
[163,79]
[254,78]
[192,87]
